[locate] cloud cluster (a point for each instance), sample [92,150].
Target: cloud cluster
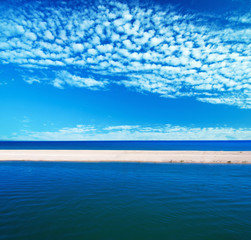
[155,49]
[65,78]
[135,132]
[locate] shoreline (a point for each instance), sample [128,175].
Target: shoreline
[220,157]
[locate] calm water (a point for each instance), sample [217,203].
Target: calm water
[124,201]
[131,145]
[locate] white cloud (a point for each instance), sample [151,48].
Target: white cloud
[121,127]
[184,54]
[77,47]
[105,48]
[32,80]
[127,16]
[128,44]
[4,45]
[132,132]
[99,29]
[92,51]
[48,35]
[58,83]
[156,41]
[20,29]
[119,22]
[96,40]
[31,36]
[65,78]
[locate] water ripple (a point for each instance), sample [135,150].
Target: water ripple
[124,201]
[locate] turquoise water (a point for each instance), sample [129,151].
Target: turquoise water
[46,200]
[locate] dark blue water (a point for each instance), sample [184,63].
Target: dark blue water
[110,201]
[130,145]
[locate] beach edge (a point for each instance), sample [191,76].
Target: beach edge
[221,157]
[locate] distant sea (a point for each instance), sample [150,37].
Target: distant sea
[130,145]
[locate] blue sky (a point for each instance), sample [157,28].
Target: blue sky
[110,70]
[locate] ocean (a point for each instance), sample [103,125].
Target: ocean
[130,145]
[111,201]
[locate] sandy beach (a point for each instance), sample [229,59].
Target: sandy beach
[236,157]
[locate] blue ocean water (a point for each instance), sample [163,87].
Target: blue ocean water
[125,201]
[130,145]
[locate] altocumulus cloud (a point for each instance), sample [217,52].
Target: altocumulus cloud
[155,49]
[137,132]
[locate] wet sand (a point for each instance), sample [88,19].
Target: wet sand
[236,157]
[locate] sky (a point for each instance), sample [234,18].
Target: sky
[125,70]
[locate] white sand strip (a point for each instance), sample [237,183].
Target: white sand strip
[127,156]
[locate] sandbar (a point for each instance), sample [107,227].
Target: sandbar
[235,157]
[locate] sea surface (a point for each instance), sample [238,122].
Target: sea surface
[130,145]
[124,201]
